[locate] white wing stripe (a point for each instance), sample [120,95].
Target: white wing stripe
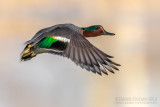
[62,39]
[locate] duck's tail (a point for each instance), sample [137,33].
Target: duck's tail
[27,53]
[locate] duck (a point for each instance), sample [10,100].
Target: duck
[69,40]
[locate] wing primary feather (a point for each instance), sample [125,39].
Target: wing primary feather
[86,67]
[90,55]
[99,59]
[78,55]
[81,65]
[104,58]
[79,59]
[112,62]
[108,68]
[111,65]
[86,56]
[81,56]
[102,68]
[81,53]
[92,69]
[106,55]
[88,61]
[104,71]
[99,73]
[97,69]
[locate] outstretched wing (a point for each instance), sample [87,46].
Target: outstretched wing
[58,30]
[84,54]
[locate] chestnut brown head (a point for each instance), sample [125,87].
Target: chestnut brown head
[95,30]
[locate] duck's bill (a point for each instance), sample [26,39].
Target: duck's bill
[108,33]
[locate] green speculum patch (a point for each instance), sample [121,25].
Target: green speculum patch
[47,42]
[91,28]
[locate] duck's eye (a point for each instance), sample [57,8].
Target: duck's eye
[91,28]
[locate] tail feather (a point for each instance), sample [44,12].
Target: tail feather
[27,53]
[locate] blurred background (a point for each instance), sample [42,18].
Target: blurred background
[52,81]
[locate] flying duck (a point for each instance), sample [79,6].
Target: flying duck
[69,40]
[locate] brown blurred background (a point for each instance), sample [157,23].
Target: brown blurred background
[52,81]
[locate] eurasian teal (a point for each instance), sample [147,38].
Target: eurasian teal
[69,41]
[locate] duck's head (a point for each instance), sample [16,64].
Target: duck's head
[95,30]
[28,53]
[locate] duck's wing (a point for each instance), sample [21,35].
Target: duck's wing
[40,35]
[84,54]
[57,30]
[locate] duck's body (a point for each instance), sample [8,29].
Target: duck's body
[69,41]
